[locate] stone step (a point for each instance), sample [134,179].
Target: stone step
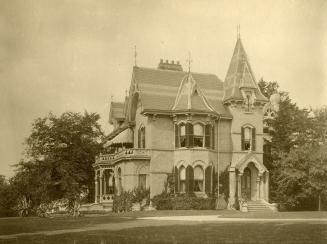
[257,206]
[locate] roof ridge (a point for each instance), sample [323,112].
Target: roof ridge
[180,72]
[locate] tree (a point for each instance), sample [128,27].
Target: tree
[60,152]
[295,164]
[302,180]
[6,199]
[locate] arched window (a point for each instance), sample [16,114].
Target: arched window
[198,135]
[209,136]
[198,179]
[141,137]
[248,138]
[182,179]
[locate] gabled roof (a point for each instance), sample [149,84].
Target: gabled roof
[158,89]
[116,111]
[240,75]
[190,96]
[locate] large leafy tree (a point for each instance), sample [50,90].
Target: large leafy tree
[60,152]
[295,161]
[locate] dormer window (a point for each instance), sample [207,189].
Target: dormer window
[248,135]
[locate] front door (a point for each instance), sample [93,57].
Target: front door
[246,184]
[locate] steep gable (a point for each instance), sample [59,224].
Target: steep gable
[190,97]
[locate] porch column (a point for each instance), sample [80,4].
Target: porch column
[262,195]
[96,188]
[239,186]
[258,188]
[101,185]
[267,187]
[104,183]
[232,186]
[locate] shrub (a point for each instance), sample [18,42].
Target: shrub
[139,194]
[166,201]
[162,201]
[123,202]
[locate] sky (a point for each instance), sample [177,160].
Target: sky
[73,55]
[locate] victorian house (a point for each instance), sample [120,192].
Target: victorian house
[189,124]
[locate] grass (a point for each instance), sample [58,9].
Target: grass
[168,233]
[196,233]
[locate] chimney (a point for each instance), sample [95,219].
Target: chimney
[170,66]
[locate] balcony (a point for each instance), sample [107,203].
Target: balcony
[126,154]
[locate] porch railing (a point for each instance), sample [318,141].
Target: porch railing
[124,154]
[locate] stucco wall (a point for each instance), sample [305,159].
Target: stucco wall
[240,118]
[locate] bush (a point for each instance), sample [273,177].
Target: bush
[166,201]
[162,201]
[140,194]
[123,202]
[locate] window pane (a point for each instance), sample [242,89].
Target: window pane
[182,130]
[247,133]
[183,141]
[198,173]
[198,130]
[142,181]
[198,185]
[182,173]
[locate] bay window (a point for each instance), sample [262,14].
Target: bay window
[197,135]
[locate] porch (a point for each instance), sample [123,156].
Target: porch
[109,173]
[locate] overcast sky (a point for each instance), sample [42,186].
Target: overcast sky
[72,55]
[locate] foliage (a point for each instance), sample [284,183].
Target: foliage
[165,201]
[140,194]
[303,177]
[123,202]
[297,135]
[7,200]
[60,152]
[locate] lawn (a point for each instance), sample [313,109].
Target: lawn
[125,228]
[194,233]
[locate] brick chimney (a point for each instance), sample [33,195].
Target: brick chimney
[170,66]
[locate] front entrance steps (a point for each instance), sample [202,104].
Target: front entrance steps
[258,206]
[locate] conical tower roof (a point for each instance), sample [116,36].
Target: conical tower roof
[240,75]
[190,97]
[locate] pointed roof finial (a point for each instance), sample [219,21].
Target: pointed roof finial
[112,98]
[135,55]
[126,93]
[238,31]
[189,61]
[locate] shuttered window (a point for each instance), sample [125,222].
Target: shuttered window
[189,135]
[208,136]
[189,179]
[208,179]
[176,136]
[198,179]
